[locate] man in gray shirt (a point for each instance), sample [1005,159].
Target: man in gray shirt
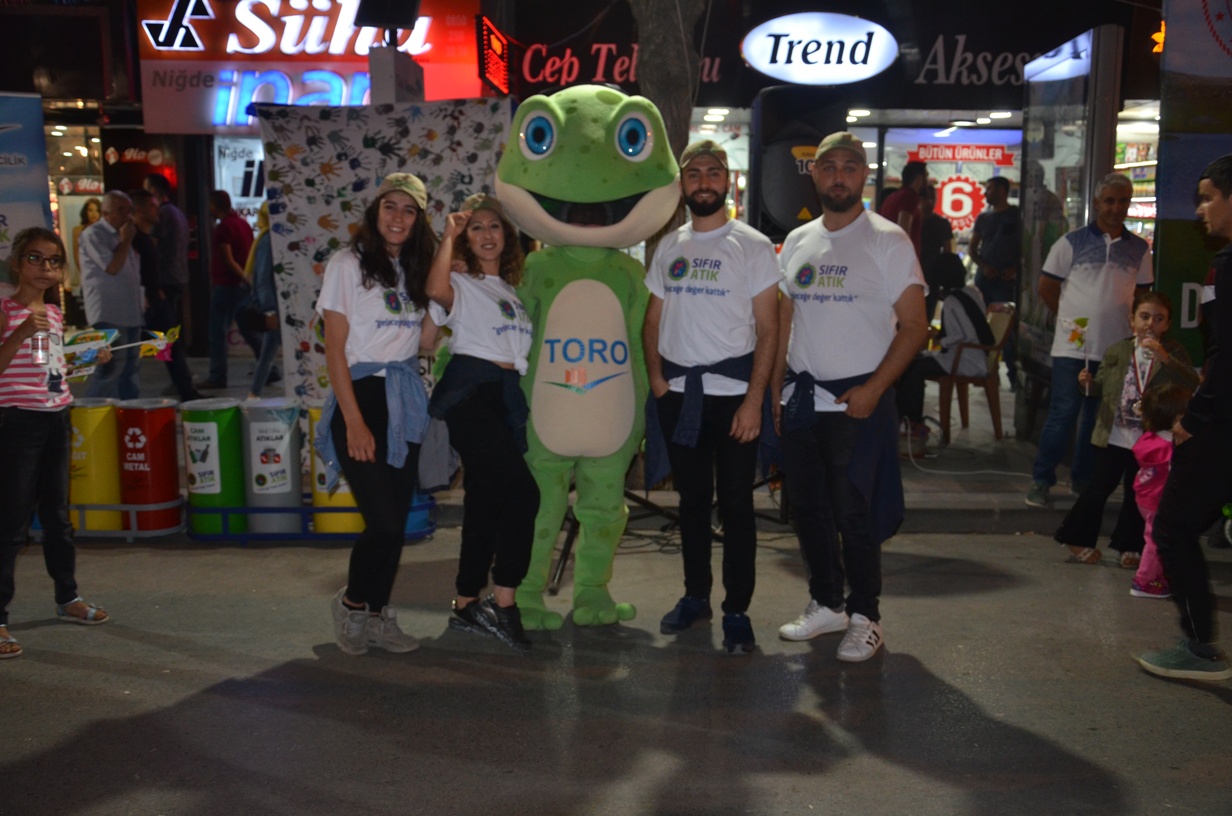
[111,282]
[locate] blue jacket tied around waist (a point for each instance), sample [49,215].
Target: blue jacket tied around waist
[407,400]
[689,425]
[874,467]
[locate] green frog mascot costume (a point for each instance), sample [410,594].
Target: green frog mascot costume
[591,172]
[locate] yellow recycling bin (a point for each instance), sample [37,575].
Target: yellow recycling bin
[342,497]
[94,465]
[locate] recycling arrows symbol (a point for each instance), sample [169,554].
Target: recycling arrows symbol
[134,439]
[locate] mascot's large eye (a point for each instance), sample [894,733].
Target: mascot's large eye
[538,137]
[634,138]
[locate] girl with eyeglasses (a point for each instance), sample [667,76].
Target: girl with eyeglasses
[34,431]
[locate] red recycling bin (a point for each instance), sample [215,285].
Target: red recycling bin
[149,467]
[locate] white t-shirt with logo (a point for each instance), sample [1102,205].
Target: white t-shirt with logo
[384,323]
[843,287]
[487,320]
[1099,276]
[707,282]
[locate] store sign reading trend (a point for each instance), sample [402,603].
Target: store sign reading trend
[818,48]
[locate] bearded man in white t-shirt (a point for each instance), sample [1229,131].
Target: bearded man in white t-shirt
[709,338]
[851,321]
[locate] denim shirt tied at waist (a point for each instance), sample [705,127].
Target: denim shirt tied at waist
[464,374]
[407,400]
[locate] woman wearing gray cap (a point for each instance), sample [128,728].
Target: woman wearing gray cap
[374,306]
[480,398]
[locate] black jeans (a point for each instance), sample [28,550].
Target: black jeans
[827,505]
[717,461]
[501,499]
[909,391]
[1002,291]
[35,476]
[383,494]
[1199,485]
[162,315]
[1113,466]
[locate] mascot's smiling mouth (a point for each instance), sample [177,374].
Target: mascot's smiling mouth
[597,214]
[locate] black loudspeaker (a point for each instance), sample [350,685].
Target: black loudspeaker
[387,13]
[788,122]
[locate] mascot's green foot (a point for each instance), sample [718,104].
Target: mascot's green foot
[535,615]
[593,606]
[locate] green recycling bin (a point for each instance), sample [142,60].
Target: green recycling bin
[214,457]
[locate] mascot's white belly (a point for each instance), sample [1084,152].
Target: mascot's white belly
[582,402]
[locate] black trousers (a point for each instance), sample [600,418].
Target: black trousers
[383,494]
[1199,485]
[35,476]
[833,520]
[1113,466]
[162,315]
[718,461]
[502,499]
[909,391]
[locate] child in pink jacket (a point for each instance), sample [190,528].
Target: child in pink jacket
[1161,407]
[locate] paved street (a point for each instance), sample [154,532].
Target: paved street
[1006,687]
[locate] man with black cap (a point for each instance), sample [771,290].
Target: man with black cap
[850,324]
[709,338]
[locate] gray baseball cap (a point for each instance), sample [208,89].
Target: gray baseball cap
[843,140]
[706,147]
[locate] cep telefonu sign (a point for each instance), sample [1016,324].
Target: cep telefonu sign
[819,48]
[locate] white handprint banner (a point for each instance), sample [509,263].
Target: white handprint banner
[322,166]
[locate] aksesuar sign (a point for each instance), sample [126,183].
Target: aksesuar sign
[819,48]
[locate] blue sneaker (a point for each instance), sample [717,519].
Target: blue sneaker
[738,633]
[688,611]
[1183,663]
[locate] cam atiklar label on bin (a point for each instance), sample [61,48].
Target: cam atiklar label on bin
[202,455]
[270,443]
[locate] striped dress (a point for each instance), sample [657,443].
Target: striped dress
[24,384]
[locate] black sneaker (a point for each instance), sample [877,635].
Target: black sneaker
[504,622]
[738,633]
[688,611]
[465,619]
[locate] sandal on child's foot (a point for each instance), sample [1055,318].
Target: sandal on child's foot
[1085,555]
[80,611]
[9,647]
[1131,560]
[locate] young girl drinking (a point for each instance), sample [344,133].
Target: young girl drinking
[1128,369]
[1162,406]
[34,430]
[481,401]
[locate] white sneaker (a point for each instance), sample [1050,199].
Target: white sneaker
[383,632]
[816,620]
[350,625]
[862,640]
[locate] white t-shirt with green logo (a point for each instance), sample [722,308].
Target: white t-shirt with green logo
[384,323]
[707,282]
[843,287]
[487,320]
